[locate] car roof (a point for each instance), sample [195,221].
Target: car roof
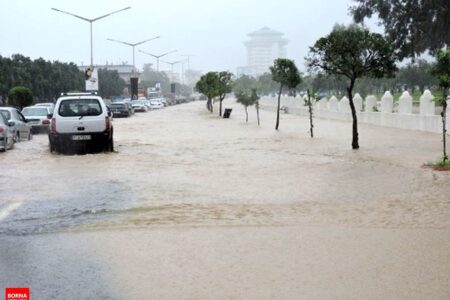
[34,106]
[7,108]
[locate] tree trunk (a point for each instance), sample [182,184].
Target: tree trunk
[246,115]
[209,104]
[311,126]
[355,143]
[278,108]
[220,107]
[444,129]
[257,110]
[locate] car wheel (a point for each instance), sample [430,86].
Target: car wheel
[4,146]
[109,144]
[17,137]
[52,145]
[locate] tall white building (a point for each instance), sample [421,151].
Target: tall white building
[263,47]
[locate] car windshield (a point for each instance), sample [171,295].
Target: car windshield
[35,111]
[6,113]
[139,102]
[80,108]
[117,105]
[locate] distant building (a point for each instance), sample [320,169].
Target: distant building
[263,47]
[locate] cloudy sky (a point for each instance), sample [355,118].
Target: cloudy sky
[212,31]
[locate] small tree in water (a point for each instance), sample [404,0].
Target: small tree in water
[255,98]
[246,100]
[208,85]
[225,86]
[285,72]
[353,52]
[310,109]
[442,71]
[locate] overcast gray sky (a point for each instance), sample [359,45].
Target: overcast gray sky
[212,30]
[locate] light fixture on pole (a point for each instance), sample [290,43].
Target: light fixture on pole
[90,22]
[171,63]
[158,57]
[134,45]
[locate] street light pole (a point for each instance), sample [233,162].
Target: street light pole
[188,56]
[134,45]
[90,21]
[158,57]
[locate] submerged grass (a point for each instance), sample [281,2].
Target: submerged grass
[440,165]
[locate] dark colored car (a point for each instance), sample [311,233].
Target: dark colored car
[120,109]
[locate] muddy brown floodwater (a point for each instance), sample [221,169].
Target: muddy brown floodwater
[191,206]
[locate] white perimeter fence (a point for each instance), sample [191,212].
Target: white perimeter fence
[370,110]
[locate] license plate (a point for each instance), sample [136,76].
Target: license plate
[81,137]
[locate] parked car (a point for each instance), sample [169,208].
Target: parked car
[130,107]
[81,121]
[139,105]
[36,116]
[6,134]
[120,109]
[156,104]
[50,105]
[22,130]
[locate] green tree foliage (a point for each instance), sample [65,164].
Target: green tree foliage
[414,26]
[208,86]
[353,52]
[246,100]
[442,72]
[150,77]
[182,89]
[266,85]
[285,72]
[109,83]
[244,84]
[417,75]
[46,79]
[225,86]
[20,97]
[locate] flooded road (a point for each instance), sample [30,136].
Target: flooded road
[189,203]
